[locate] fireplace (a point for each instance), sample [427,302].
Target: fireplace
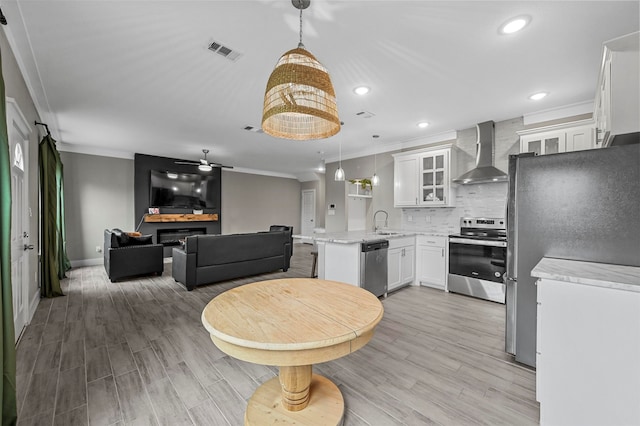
[171,236]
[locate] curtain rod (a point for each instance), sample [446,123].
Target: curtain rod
[45,126]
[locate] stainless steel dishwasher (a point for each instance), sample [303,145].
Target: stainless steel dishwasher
[373,266]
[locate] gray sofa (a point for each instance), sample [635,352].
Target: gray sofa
[206,259]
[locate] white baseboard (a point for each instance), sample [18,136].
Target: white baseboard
[87,262]
[33,305]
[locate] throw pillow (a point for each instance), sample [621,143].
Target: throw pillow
[141,240]
[133,234]
[123,238]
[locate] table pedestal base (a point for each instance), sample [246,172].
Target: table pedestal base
[326,405]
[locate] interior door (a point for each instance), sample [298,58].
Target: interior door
[17,131]
[308,211]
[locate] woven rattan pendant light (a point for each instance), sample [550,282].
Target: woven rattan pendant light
[299,102]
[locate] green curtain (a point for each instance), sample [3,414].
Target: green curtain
[8,342]
[54,255]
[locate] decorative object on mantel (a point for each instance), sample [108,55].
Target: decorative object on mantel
[339,176]
[299,101]
[187,217]
[154,210]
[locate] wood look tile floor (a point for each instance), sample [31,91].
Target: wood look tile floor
[135,353]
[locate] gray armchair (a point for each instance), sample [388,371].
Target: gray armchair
[126,256]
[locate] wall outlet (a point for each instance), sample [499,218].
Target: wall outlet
[98,249]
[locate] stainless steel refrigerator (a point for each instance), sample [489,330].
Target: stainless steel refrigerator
[582,205]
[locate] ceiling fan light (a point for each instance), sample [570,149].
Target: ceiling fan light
[339,176]
[205,168]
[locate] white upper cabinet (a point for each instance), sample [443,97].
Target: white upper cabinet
[405,186]
[565,137]
[423,178]
[617,101]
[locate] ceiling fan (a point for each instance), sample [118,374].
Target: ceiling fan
[203,164]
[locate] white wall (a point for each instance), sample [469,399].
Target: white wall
[98,195]
[252,203]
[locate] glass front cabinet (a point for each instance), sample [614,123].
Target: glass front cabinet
[423,178]
[565,137]
[434,177]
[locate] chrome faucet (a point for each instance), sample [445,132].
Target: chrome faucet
[386,219]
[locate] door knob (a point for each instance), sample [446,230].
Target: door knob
[28,247]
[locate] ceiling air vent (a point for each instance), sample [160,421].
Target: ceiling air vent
[232,55]
[365,114]
[253,129]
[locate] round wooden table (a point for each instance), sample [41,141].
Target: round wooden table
[293,324]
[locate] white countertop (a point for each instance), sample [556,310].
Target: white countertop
[353,237]
[589,273]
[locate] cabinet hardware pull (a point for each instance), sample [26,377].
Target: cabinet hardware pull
[442,252]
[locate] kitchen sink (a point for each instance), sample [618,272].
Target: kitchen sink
[387,233]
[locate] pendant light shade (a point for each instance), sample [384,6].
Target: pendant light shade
[339,176]
[375,180]
[300,102]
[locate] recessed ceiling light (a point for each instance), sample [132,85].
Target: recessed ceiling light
[361,90]
[514,25]
[538,96]
[423,124]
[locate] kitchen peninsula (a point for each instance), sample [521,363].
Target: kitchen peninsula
[414,258]
[588,342]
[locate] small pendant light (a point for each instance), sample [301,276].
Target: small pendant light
[375,180]
[339,176]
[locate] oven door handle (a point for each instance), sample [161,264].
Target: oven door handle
[478,242]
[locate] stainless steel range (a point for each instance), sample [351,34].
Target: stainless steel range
[477,258]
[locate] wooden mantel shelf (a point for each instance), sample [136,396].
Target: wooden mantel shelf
[181,217]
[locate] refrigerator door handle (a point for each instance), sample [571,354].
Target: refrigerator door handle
[510,316]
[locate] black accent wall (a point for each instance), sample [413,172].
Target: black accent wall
[143,164]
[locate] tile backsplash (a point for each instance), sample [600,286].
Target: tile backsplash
[480,200]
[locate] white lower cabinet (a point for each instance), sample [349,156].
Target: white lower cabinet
[401,262]
[431,261]
[587,354]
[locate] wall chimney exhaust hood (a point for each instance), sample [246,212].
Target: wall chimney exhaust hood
[484,172]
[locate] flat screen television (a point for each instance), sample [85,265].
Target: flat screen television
[182,190]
